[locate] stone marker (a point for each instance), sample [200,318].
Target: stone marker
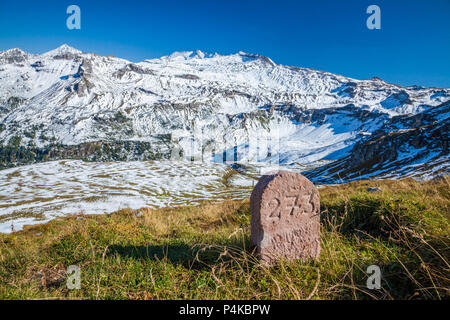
[285,222]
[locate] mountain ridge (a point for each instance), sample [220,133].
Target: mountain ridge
[66,98]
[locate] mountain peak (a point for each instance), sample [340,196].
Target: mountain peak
[14,55]
[187,55]
[63,49]
[254,56]
[14,51]
[198,54]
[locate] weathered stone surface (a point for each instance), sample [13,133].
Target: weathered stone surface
[285,222]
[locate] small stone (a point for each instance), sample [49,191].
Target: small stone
[376,189]
[285,221]
[138,214]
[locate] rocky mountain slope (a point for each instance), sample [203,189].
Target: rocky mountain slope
[244,107]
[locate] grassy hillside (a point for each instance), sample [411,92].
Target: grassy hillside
[203,252]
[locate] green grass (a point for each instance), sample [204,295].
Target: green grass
[203,252]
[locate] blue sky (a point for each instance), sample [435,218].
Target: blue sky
[412,47]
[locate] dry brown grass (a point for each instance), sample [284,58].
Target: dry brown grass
[203,252]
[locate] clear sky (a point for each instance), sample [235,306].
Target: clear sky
[412,47]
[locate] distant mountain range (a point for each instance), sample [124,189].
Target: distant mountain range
[69,104]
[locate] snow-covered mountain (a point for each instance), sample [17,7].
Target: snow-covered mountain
[70,104]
